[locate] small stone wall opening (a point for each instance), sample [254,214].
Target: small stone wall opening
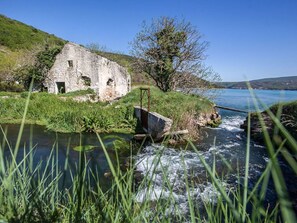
[128,86]
[61,87]
[110,82]
[70,63]
[87,80]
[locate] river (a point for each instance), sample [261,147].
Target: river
[227,143]
[62,146]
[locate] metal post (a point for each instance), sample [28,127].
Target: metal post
[143,113]
[146,91]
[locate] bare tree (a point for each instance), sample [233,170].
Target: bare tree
[170,52]
[95,47]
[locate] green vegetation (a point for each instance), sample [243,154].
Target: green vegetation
[31,193]
[62,113]
[16,35]
[84,148]
[79,93]
[287,115]
[38,71]
[171,51]
[25,52]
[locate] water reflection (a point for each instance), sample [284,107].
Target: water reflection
[61,146]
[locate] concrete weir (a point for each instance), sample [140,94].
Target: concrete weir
[153,123]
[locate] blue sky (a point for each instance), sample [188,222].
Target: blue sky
[249,39]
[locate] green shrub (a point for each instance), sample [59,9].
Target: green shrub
[79,93]
[11,86]
[66,121]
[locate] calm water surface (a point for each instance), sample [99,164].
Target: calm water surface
[45,142]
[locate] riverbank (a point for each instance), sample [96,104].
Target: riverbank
[287,116]
[207,181]
[68,113]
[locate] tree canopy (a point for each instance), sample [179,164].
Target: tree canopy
[170,52]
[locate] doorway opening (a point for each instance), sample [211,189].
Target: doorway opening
[61,87]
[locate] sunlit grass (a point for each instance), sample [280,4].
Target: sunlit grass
[62,113]
[36,193]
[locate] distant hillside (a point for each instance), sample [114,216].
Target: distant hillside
[21,46]
[279,83]
[16,35]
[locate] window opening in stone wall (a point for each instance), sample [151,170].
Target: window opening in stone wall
[61,87]
[86,80]
[109,82]
[70,63]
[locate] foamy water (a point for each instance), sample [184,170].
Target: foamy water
[170,171]
[232,123]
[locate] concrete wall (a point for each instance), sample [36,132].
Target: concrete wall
[158,125]
[75,66]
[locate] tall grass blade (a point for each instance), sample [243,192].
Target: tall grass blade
[116,178]
[246,174]
[17,145]
[287,212]
[217,184]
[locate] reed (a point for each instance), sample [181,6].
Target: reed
[39,193]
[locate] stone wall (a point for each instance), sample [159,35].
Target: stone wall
[76,68]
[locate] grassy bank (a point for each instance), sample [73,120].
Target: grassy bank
[34,192]
[30,193]
[63,114]
[287,116]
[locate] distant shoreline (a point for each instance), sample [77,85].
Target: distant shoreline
[266,89]
[288,83]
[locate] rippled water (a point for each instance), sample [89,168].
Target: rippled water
[224,146]
[43,142]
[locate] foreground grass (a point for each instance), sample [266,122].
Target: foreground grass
[287,116]
[63,114]
[31,193]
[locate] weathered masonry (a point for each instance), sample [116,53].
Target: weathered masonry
[76,68]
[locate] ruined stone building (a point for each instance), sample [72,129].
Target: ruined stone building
[76,68]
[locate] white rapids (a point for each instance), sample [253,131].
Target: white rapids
[177,175]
